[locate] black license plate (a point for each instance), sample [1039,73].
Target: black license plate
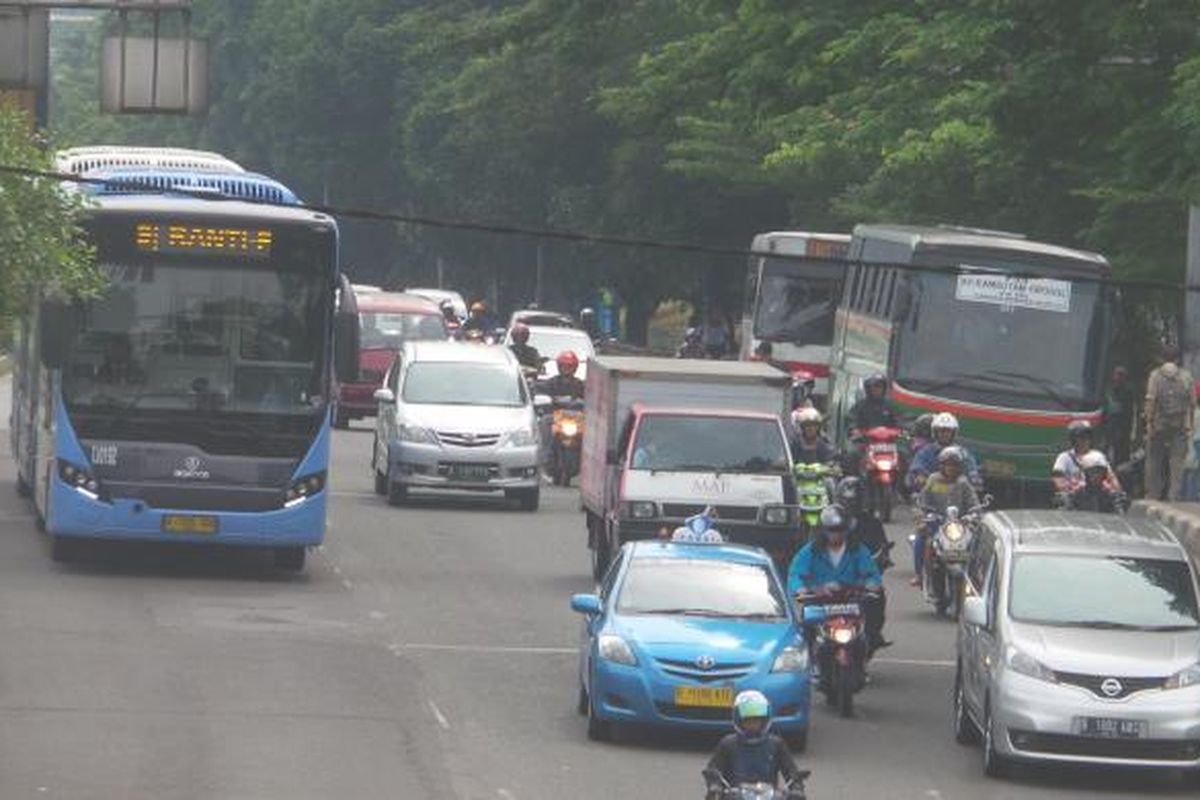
[471,472]
[1110,728]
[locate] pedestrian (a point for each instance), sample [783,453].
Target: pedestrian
[1168,426]
[1118,416]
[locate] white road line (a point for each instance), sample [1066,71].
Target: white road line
[376,615]
[505,794]
[349,584]
[350,493]
[439,716]
[913,662]
[486,648]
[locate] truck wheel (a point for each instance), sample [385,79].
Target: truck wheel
[600,551]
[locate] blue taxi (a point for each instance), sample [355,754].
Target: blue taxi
[677,629]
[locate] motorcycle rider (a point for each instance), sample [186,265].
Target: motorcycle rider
[1067,472]
[875,408]
[751,754]
[590,324]
[564,384]
[477,319]
[867,530]
[803,386]
[944,428]
[1095,494]
[831,561]
[944,488]
[527,355]
[808,445]
[693,345]
[453,323]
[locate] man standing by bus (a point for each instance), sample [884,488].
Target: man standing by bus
[1168,426]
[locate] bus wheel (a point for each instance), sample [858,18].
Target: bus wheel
[63,549]
[23,488]
[290,558]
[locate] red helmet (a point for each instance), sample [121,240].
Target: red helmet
[520,333]
[567,362]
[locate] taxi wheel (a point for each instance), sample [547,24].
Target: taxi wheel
[397,493]
[598,730]
[63,549]
[581,705]
[290,558]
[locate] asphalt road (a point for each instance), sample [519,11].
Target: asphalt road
[427,652]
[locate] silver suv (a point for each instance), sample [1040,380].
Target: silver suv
[455,416]
[1079,641]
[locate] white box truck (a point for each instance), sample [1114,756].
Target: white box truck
[664,438]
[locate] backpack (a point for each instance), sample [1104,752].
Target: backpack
[1172,402]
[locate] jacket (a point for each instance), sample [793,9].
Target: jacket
[821,453]
[870,413]
[741,762]
[811,568]
[939,494]
[925,463]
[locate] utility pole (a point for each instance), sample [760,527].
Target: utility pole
[1190,340]
[538,279]
[441,272]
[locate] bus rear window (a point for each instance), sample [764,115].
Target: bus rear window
[797,300]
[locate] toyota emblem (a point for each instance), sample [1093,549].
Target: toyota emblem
[706,662]
[1111,687]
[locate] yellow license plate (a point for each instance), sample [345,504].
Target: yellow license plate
[704,696]
[189,523]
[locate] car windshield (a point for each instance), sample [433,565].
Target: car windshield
[1105,592]
[699,587]
[383,329]
[463,384]
[550,343]
[696,443]
[796,301]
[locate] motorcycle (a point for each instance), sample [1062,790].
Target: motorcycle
[947,550]
[814,491]
[758,791]
[880,469]
[839,645]
[566,427]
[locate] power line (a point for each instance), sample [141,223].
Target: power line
[577,237]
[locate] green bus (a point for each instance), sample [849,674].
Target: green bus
[1011,336]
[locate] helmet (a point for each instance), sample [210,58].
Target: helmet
[848,494]
[876,379]
[1078,429]
[944,421]
[1093,459]
[751,704]
[692,335]
[586,314]
[567,362]
[951,455]
[806,416]
[447,308]
[803,377]
[520,333]
[479,306]
[833,519]
[923,426]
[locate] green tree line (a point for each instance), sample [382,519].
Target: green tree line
[1073,121]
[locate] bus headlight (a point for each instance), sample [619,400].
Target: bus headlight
[79,479]
[304,488]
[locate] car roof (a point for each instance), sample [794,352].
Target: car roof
[649,409]
[738,553]
[466,352]
[397,302]
[1086,533]
[559,330]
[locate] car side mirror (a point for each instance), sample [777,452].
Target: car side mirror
[588,604]
[974,611]
[58,325]
[385,395]
[346,344]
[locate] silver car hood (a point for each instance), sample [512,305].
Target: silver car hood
[467,419]
[1090,651]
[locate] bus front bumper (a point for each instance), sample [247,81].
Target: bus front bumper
[74,513]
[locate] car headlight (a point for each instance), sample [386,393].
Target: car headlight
[776,515]
[615,649]
[791,659]
[304,488]
[416,434]
[524,437]
[1025,664]
[1189,676]
[643,509]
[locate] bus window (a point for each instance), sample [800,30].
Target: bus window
[797,300]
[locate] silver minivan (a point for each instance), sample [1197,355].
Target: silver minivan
[1079,641]
[455,415]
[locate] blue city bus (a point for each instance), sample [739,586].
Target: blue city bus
[190,402]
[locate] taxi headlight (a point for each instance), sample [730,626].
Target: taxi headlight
[791,659]
[615,649]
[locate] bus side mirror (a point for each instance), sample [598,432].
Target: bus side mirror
[58,325]
[346,339]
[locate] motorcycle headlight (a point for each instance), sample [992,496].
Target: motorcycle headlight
[615,649]
[1189,676]
[884,465]
[416,434]
[791,659]
[1023,663]
[523,437]
[842,635]
[642,509]
[953,531]
[569,428]
[304,488]
[776,515]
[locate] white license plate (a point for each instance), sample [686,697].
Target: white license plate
[475,472]
[1111,728]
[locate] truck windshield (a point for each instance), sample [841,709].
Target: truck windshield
[796,301]
[698,443]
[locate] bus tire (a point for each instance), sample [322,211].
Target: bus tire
[23,488]
[290,558]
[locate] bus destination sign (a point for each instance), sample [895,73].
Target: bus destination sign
[176,237]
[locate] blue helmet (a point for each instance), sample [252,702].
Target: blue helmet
[751,704]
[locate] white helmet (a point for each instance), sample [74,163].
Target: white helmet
[806,416]
[944,421]
[1093,459]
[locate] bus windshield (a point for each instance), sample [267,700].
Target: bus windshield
[960,338]
[179,334]
[797,300]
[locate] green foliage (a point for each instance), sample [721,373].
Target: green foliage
[41,249]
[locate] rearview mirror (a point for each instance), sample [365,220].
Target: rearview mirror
[974,611]
[585,604]
[346,337]
[58,325]
[385,395]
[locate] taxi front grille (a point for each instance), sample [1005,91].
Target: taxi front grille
[719,671]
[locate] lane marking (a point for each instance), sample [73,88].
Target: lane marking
[505,794]
[485,648]
[349,584]
[376,615]
[438,715]
[913,662]
[351,493]
[337,570]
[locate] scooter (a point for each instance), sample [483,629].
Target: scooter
[566,427]
[948,549]
[758,791]
[840,643]
[814,492]
[880,469]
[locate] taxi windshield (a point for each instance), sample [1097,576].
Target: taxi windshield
[699,587]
